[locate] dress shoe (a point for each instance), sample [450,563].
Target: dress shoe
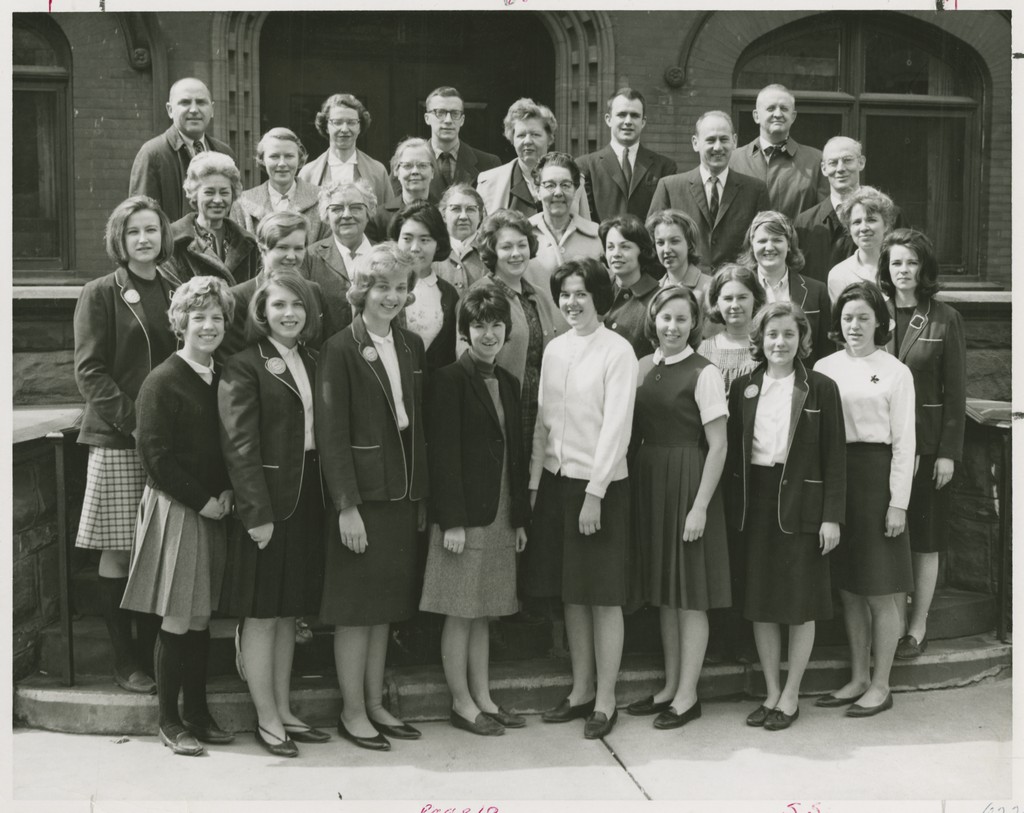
[779,720]
[757,717]
[647,705]
[670,718]
[305,733]
[180,741]
[303,634]
[870,711]
[378,743]
[506,718]
[207,730]
[397,732]
[909,647]
[830,701]
[137,682]
[279,748]
[483,725]
[563,712]
[600,725]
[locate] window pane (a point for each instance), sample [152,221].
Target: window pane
[35,181]
[919,162]
[894,65]
[807,62]
[32,49]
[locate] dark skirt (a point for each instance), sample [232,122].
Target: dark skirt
[560,561]
[286,577]
[787,577]
[867,562]
[928,514]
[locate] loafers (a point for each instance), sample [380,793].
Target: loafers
[830,701]
[303,634]
[397,732]
[909,647]
[138,682]
[757,717]
[599,725]
[563,712]
[278,748]
[778,720]
[483,725]
[180,741]
[506,718]
[647,705]
[870,711]
[377,743]
[207,730]
[670,718]
[305,733]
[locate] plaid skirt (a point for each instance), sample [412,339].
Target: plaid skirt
[113,489]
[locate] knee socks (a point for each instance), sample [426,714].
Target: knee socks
[193,677]
[169,662]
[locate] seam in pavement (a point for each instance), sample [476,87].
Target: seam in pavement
[624,768]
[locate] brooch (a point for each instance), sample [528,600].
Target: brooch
[276,366]
[750,391]
[131,296]
[370,354]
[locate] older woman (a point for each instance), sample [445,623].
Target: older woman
[345,207]
[280,153]
[561,235]
[207,242]
[412,166]
[868,215]
[341,119]
[463,210]
[530,129]
[629,255]
[929,339]
[676,239]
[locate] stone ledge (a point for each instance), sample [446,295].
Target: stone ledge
[33,422]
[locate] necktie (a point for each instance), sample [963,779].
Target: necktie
[627,170]
[774,149]
[713,203]
[447,168]
[198,147]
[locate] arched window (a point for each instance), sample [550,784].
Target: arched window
[41,143]
[910,94]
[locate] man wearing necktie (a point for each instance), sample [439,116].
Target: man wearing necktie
[791,171]
[160,165]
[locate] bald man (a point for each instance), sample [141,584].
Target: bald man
[791,171]
[159,168]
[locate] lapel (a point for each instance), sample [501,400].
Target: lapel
[640,167]
[405,368]
[328,252]
[520,188]
[465,164]
[306,196]
[373,360]
[613,169]
[256,202]
[479,387]
[750,409]
[918,322]
[133,301]
[729,193]
[697,190]
[237,246]
[269,353]
[800,390]
[797,289]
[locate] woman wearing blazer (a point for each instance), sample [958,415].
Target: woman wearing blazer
[929,339]
[369,430]
[787,488]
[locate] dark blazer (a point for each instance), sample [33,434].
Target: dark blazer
[606,186]
[813,485]
[441,352]
[159,170]
[362,455]
[794,179]
[112,356]
[263,431]
[467,447]
[812,297]
[935,350]
[189,259]
[325,267]
[468,165]
[742,198]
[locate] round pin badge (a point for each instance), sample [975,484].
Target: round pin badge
[131,296]
[370,354]
[276,366]
[750,391]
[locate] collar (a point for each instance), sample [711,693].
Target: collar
[835,199]
[389,339]
[430,280]
[765,144]
[618,149]
[675,358]
[189,142]
[276,196]
[334,161]
[781,285]
[585,227]
[452,151]
[705,175]
[203,369]
[345,251]
[645,284]
[785,383]
[283,351]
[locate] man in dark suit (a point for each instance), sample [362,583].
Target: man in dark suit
[720,200]
[791,171]
[614,188]
[160,165]
[456,161]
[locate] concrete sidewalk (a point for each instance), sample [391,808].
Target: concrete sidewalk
[949,744]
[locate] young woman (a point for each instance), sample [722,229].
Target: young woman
[929,339]
[579,545]
[463,211]
[680,526]
[867,215]
[872,563]
[479,506]
[275,572]
[121,333]
[629,255]
[676,238]
[369,430]
[419,229]
[787,496]
[734,297]
[179,551]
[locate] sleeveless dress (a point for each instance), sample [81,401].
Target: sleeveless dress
[667,472]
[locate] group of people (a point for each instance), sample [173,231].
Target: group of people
[466,387]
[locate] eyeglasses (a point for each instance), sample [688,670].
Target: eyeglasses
[340,122]
[438,113]
[847,161]
[351,208]
[551,186]
[469,210]
[409,166]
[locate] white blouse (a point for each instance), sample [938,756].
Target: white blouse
[295,366]
[771,421]
[388,355]
[424,317]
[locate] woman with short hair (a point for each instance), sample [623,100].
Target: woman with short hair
[868,216]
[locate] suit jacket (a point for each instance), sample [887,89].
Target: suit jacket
[469,447]
[159,170]
[317,173]
[325,267]
[190,259]
[742,198]
[812,297]
[813,485]
[263,432]
[254,204]
[468,166]
[794,179]
[935,350]
[495,187]
[606,187]
[362,454]
[112,356]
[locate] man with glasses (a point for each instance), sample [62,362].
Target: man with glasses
[455,161]
[823,240]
